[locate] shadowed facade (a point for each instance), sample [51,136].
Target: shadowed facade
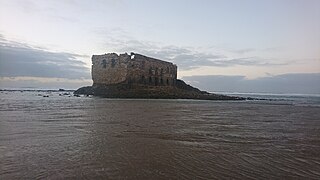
[110,69]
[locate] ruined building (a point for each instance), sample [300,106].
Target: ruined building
[109,69]
[139,76]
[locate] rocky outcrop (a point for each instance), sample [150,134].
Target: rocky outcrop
[180,91]
[139,76]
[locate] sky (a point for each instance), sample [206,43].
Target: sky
[218,45]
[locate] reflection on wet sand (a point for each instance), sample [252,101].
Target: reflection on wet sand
[60,137]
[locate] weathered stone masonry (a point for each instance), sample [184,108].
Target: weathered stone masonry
[138,76]
[108,69]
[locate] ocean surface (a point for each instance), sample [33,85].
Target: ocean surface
[55,135]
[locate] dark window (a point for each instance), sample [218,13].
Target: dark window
[167,81]
[168,70]
[161,81]
[143,80]
[156,81]
[156,71]
[161,71]
[104,63]
[150,79]
[113,62]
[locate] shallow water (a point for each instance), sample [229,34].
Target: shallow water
[81,137]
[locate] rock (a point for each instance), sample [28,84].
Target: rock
[87,90]
[139,76]
[181,91]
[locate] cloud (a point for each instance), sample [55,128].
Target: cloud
[246,50]
[308,83]
[42,83]
[251,50]
[185,57]
[18,59]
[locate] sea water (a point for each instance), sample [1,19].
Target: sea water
[63,136]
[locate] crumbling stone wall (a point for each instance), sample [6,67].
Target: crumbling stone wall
[111,68]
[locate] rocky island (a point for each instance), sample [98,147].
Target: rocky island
[138,76]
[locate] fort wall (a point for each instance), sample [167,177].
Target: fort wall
[108,69]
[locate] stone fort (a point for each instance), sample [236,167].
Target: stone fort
[138,76]
[111,68]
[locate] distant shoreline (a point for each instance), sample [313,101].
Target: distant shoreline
[213,92]
[39,90]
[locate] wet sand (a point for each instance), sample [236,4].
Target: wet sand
[80,137]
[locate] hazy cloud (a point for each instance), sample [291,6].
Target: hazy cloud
[18,59]
[42,83]
[250,50]
[246,50]
[285,83]
[185,57]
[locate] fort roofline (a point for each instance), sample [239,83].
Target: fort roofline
[133,56]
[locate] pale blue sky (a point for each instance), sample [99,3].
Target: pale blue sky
[247,38]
